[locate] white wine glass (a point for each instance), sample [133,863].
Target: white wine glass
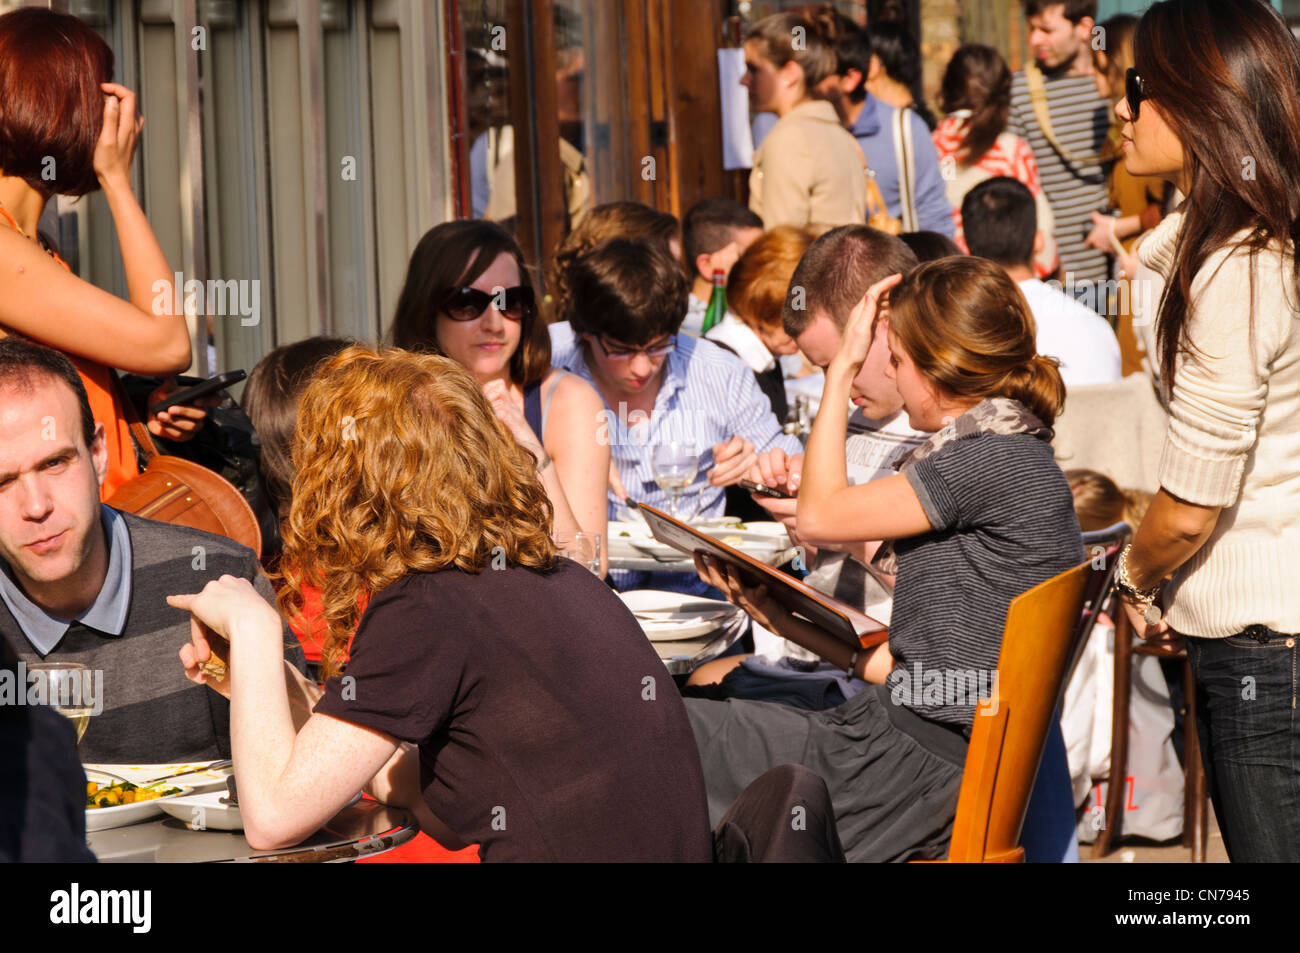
[674,466]
[67,688]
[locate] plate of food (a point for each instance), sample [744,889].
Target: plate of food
[111,802]
[676,617]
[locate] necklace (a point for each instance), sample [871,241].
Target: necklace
[13,223]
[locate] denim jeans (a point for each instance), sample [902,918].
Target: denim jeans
[1250,740]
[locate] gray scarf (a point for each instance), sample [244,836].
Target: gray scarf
[995,415]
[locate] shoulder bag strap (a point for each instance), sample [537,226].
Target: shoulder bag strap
[143,439]
[903,154]
[1038,97]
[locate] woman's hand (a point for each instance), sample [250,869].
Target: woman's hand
[1134,612]
[758,605]
[1102,234]
[228,608]
[179,422]
[117,140]
[860,329]
[508,412]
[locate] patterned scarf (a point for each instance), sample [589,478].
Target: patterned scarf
[994,415]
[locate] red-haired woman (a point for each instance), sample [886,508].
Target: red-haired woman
[66,130]
[502,694]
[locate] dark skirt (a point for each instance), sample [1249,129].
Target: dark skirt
[893,776]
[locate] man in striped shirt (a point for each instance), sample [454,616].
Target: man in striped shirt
[659,386]
[1070,164]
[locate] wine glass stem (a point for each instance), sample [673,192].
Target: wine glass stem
[672,502]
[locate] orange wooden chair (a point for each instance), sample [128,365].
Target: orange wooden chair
[1044,633]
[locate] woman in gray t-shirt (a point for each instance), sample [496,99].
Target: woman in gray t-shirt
[979,514]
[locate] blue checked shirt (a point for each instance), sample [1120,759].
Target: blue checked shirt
[707,396]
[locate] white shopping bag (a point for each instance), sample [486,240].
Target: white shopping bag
[1153,797]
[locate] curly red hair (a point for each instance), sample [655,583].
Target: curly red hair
[401,467]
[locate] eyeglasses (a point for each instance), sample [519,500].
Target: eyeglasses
[468,304]
[1135,91]
[652,352]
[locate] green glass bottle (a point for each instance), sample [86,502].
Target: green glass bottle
[717,301]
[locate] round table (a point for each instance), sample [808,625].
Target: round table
[359,830]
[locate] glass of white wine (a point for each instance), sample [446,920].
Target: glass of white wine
[67,689]
[674,466]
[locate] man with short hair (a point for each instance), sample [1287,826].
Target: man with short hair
[1069,147]
[83,582]
[659,386]
[1001,225]
[715,233]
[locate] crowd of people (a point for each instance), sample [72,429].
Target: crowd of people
[411,628]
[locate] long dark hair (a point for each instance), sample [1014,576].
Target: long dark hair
[977,78]
[450,256]
[1225,75]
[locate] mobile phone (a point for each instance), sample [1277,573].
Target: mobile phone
[210,386]
[761,490]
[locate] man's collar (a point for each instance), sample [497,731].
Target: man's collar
[106,614]
[868,121]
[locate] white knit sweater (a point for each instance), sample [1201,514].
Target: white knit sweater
[1234,439]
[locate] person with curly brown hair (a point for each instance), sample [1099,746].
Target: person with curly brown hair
[501,693]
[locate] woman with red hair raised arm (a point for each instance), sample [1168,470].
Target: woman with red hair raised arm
[66,130]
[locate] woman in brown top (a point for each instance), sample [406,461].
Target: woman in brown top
[503,695]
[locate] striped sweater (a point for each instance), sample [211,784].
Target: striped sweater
[1080,120]
[151,711]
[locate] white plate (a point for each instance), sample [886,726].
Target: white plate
[676,617]
[107,818]
[762,541]
[205,812]
[200,779]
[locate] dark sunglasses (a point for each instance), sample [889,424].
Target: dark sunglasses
[1134,92]
[468,304]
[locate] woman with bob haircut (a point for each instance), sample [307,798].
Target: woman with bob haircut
[66,130]
[496,690]
[468,296]
[1219,121]
[979,514]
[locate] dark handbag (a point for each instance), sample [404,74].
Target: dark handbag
[184,493]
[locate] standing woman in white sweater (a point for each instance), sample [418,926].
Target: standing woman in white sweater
[1213,107]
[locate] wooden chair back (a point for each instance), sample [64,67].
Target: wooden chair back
[1008,736]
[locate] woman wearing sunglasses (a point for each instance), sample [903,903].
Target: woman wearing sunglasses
[467,296]
[1213,107]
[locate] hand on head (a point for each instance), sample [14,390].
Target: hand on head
[117,140]
[861,326]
